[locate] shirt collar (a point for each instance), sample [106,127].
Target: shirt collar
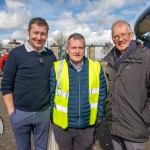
[77,68]
[30,49]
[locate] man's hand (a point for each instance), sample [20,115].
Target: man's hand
[8,99]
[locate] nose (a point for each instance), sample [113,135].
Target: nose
[120,38]
[39,36]
[77,50]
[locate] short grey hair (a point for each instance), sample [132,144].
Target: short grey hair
[76,36]
[120,22]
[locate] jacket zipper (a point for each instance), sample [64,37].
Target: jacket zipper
[79,98]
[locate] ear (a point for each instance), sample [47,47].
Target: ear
[28,32]
[131,35]
[67,49]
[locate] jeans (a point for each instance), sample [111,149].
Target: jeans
[24,123]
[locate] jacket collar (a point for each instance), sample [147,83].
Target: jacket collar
[137,53]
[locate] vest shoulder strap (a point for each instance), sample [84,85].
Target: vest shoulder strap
[59,73]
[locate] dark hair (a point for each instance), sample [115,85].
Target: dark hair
[39,21]
[76,36]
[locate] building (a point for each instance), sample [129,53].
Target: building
[14,44]
[94,52]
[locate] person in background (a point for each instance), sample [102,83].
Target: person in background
[127,108]
[25,87]
[77,93]
[3,59]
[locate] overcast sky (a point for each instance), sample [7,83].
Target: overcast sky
[92,18]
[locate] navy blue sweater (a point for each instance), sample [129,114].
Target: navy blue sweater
[28,79]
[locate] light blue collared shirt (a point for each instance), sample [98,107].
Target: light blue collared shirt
[77,68]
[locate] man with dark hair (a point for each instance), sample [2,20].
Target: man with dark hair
[78,92]
[128,100]
[39,22]
[25,87]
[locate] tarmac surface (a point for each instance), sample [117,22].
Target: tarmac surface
[7,141]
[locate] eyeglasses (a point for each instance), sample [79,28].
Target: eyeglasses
[122,35]
[40,59]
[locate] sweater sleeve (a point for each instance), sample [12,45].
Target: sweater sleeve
[102,95]
[52,88]
[9,74]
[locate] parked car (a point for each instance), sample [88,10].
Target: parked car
[142,27]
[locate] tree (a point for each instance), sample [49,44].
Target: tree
[60,40]
[4,45]
[107,47]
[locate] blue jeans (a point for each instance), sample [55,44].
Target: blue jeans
[23,123]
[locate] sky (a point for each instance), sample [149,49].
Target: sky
[92,18]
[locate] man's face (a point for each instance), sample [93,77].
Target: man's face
[37,36]
[5,52]
[121,37]
[76,51]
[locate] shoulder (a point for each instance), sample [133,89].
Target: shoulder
[49,51]
[88,60]
[143,49]
[18,49]
[109,55]
[95,63]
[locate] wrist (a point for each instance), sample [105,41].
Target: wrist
[10,112]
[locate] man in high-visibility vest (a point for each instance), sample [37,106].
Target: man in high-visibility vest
[78,92]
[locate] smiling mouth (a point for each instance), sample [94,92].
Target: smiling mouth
[39,42]
[121,44]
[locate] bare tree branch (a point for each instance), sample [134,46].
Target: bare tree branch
[60,40]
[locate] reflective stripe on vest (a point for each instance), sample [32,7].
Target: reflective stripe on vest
[60,111]
[61,108]
[94,86]
[61,93]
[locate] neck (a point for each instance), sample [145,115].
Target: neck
[76,64]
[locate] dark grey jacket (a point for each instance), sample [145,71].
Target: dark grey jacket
[128,103]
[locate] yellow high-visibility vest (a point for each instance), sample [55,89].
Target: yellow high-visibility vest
[60,110]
